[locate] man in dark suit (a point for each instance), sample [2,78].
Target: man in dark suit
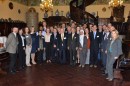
[73,42]
[105,39]
[102,34]
[54,46]
[64,27]
[40,45]
[11,48]
[67,51]
[62,46]
[44,24]
[21,49]
[94,46]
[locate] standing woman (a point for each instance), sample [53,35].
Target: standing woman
[113,52]
[77,31]
[82,48]
[28,45]
[33,50]
[48,45]
[88,45]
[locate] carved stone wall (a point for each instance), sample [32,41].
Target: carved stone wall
[32,18]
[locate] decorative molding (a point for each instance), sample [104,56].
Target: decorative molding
[61,2]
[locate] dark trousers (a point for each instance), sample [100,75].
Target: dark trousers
[104,59]
[40,56]
[54,55]
[62,58]
[12,61]
[93,56]
[21,57]
[73,54]
[67,56]
[48,51]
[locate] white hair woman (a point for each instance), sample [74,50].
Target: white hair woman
[114,50]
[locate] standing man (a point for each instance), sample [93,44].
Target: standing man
[105,41]
[62,44]
[94,46]
[40,44]
[73,42]
[43,34]
[64,27]
[21,49]
[67,51]
[54,46]
[44,28]
[11,48]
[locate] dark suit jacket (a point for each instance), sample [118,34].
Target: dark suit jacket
[54,41]
[84,47]
[37,41]
[102,34]
[62,44]
[73,43]
[95,42]
[20,43]
[12,43]
[104,42]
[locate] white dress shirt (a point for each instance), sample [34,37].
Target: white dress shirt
[47,38]
[14,34]
[22,40]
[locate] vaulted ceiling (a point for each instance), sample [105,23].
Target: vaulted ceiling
[59,2]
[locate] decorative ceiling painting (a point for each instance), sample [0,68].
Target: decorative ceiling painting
[59,2]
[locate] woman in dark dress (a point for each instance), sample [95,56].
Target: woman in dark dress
[33,51]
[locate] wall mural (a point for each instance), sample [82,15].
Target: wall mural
[59,2]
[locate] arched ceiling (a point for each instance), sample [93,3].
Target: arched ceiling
[59,2]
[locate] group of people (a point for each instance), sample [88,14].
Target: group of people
[83,44]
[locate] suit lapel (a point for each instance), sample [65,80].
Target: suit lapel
[13,35]
[96,36]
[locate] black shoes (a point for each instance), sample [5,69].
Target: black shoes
[12,72]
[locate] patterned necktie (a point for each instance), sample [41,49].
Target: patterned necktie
[62,37]
[72,36]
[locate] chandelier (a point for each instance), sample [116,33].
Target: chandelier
[115,3]
[46,5]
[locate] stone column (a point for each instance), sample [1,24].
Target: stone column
[32,18]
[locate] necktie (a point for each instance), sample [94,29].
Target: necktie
[72,36]
[62,36]
[105,36]
[94,34]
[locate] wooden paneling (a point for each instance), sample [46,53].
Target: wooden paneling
[5,27]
